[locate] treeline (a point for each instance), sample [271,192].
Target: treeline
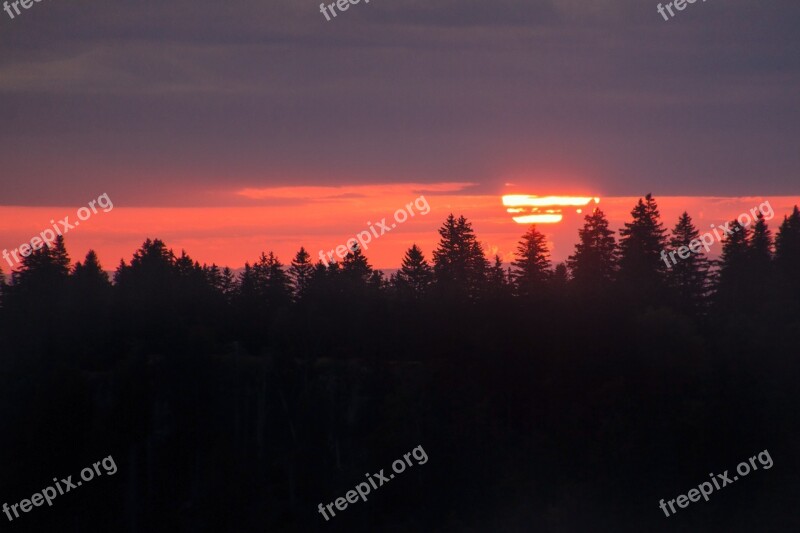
[159,291]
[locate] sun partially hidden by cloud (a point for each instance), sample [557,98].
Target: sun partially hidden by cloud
[543,209]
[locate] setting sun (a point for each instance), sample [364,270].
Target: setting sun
[543,209]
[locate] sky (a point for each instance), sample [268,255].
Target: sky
[231,128]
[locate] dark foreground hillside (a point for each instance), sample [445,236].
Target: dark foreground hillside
[541,402]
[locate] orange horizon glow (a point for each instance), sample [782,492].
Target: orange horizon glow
[234,235]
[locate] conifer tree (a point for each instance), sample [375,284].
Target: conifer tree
[300,272]
[146,290]
[44,271]
[594,262]
[459,264]
[688,277]
[151,268]
[213,277]
[261,274]
[60,258]
[415,274]
[377,281]
[559,278]
[733,271]
[247,285]
[319,281]
[90,273]
[532,265]
[228,283]
[246,298]
[499,281]
[735,248]
[497,275]
[355,266]
[787,245]
[640,245]
[192,285]
[184,265]
[479,270]
[787,260]
[272,282]
[90,291]
[760,249]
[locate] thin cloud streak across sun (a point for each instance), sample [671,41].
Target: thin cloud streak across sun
[543,209]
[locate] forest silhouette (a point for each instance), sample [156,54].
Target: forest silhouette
[548,397]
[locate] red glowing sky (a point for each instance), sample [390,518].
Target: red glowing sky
[321,218]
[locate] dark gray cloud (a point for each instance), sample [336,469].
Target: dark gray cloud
[166,103]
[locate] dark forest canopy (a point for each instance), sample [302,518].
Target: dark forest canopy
[232,402]
[165,301]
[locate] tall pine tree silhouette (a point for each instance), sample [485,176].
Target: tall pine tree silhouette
[593,264]
[90,294]
[499,283]
[228,284]
[355,267]
[45,269]
[151,271]
[415,275]
[459,264]
[787,257]
[272,282]
[641,268]
[300,273]
[531,268]
[761,245]
[38,291]
[89,275]
[734,267]
[760,261]
[687,277]
[787,244]
[560,278]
